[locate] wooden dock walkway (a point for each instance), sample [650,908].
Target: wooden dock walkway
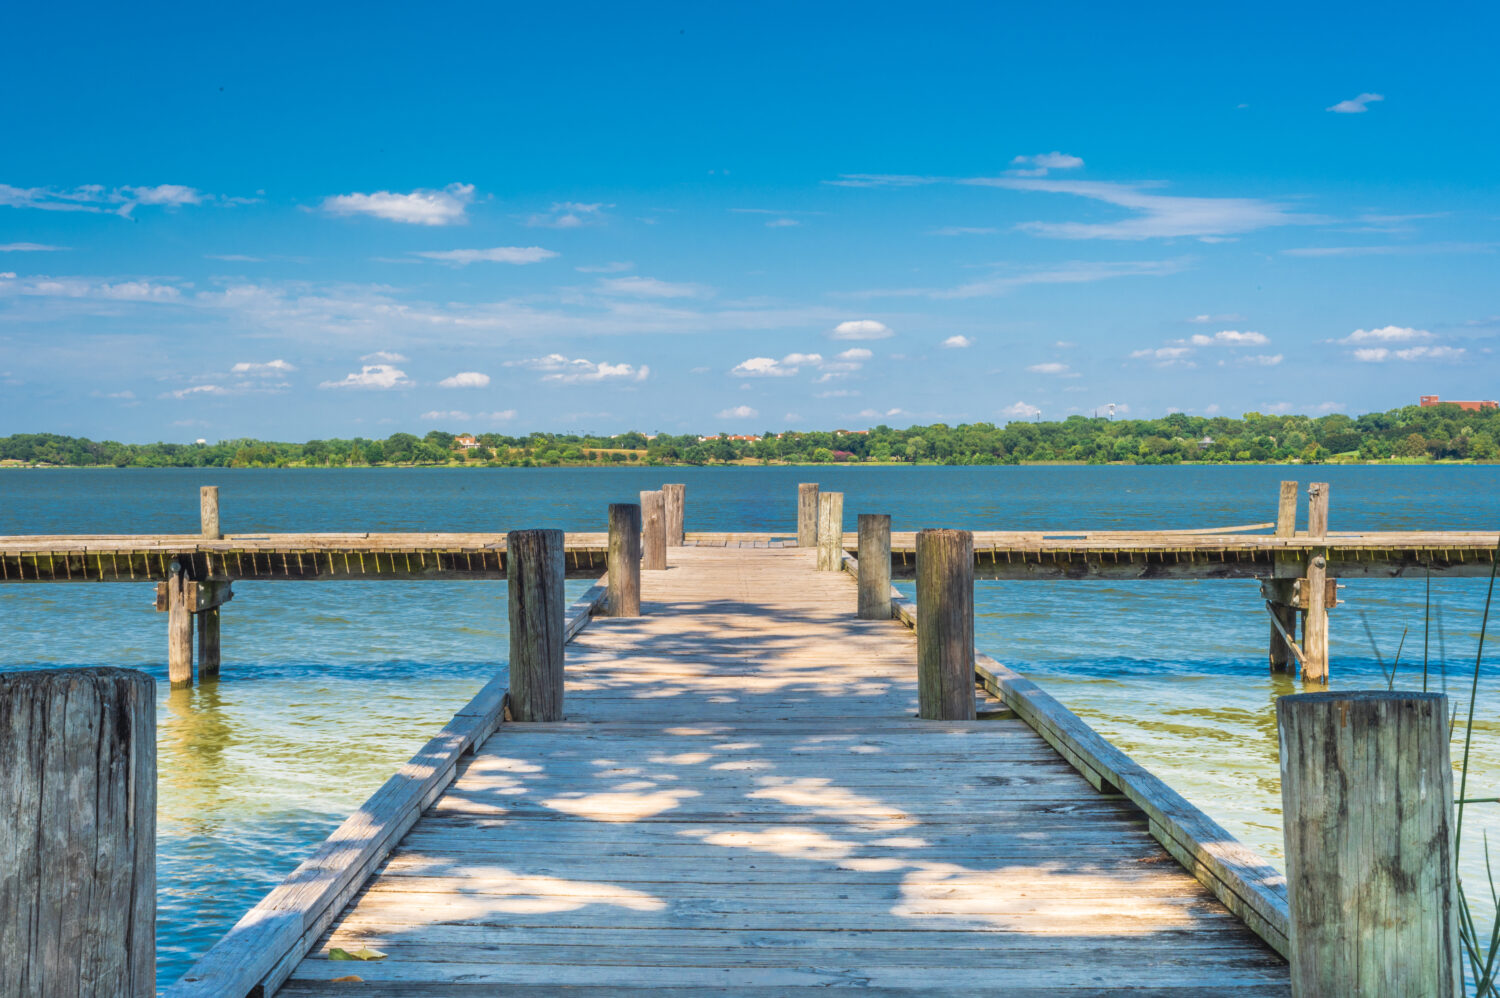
[741,801]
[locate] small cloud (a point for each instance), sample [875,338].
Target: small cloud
[1355,105]
[269,367]
[30,248]
[1165,356]
[465,379]
[855,353]
[376,377]
[1021,410]
[233,258]
[650,287]
[1376,355]
[962,230]
[420,207]
[791,417]
[738,412]
[577,370]
[7,275]
[455,415]
[862,329]
[1054,368]
[1260,360]
[957,342]
[170,195]
[1227,338]
[837,393]
[617,267]
[569,215]
[766,367]
[782,223]
[1386,334]
[1065,344]
[384,357]
[497,254]
[183,393]
[1037,166]
[1206,318]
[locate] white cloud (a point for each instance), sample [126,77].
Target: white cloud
[456,415]
[617,267]
[100,199]
[1021,410]
[1260,360]
[1076,272]
[878,414]
[183,393]
[1155,216]
[769,367]
[8,275]
[572,371]
[650,287]
[782,223]
[837,393]
[420,207]
[1205,318]
[738,412]
[862,329]
[270,367]
[1401,249]
[1227,337]
[855,354]
[1375,355]
[881,180]
[763,367]
[465,379]
[385,357]
[1041,163]
[379,377]
[29,248]
[139,291]
[569,215]
[1165,356]
[963,230]
[1054,368]
[1355,105]
[171,195]
[1386,334]
[958,342]
[497,254]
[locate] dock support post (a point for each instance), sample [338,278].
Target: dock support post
[830,531]
[624,564]
[208,512]
[653,531]
[1317,509]
[179,630]
[1367,794]
[78,832]
[945,625]
[1286,510]
[874,566]
[208,643]
[807,515]
[534,570]
[1278,591]
[676,500]
[1315,629]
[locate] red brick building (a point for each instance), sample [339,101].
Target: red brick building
[1426,400]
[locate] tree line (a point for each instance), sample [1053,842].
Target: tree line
[1412,433]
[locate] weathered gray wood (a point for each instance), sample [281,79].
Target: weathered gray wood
[208,503]
[945,625]
[179,630]
[676,500]
[1286,510]
[874,566]
[1278,595]
[1367,791]
[1315,626]
[77,833]
[207,623]
[653,531]
[537,605]
[807,514]
[830,531]
[1317,509]
[624,560]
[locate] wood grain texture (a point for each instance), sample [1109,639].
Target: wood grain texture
[874,576]
[208,512]
[945,624]
[675,496]
[830,531]
[624,560]
[1317,510]
[1286,510]
[537,618]
[209,652]
[653,531]
[1366,790]
[77,834]
[1315,623]
[807,514]
[179,631]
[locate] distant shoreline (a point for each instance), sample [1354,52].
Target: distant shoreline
[504,466]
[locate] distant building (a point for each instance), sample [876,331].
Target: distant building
[466,440]
[1426,400]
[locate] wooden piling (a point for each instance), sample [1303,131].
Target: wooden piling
[945,625]
[653,531]
[874,566]
[534,571]
[1283,612]
[624,565]
[1367,792]
[1317,509]
[676,504]
[208,643]
[78,833]
[1286,510]
[830,531]
[1315,625]
[208,512]
[807,515]
[179,629]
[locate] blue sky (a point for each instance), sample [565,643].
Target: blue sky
[296,221]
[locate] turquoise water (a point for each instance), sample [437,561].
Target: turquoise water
[328,687]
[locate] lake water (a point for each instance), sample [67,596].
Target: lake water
[327,688]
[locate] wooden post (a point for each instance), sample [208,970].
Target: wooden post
[1317,509]
[807,515]
[1367,799]
[534,570]
[676,500]
[1286,510]
[653,531]
[830,531]
[624,564]
[945,625]
[874,566]
[78,833]
[208,643]
[208,510]
[179,630]
[1315,628]
[1279,595]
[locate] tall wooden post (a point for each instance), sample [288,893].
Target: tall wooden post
[1278,590]
[1317,509]
[874,566]
[179,629]
[945,625]
[830,531]
[78,833]
[676,501]
[208,643]
[1286,510]
[807,515]
[1315,630]
[1367,799]
[208,512]
[534,571]
[653,531]
[624,560]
